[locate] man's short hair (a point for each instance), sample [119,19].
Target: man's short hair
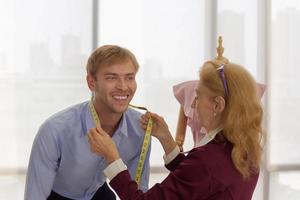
[109,55]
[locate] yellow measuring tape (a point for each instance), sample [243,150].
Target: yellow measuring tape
[144,151]
[94,114]
[145,145]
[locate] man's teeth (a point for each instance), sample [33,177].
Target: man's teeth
[120,97]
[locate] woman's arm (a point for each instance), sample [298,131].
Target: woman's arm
[190,180]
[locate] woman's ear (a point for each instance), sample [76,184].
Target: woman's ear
[91,82]
[220,104]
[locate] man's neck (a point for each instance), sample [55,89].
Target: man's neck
[109,121]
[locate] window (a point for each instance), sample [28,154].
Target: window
[284,152]
[45,45]
[42,68]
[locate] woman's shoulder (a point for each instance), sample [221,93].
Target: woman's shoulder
[214,154]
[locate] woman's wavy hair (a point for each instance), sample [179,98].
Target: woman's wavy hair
[242,116]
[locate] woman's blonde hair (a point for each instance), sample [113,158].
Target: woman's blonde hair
[242,116]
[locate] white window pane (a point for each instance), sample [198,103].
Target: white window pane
[12,186]
[168,39]
[237,23]
[258,193]
[284,76]
[44,46]
[285,185]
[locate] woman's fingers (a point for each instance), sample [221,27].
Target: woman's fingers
[100,131]
[145,117]
[144,120]
[98,127]
[92,142]
[156,117]
[89,137]
[94,139]
[91,134]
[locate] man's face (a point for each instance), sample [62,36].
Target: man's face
[115,86]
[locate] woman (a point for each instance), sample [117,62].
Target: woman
[225,166]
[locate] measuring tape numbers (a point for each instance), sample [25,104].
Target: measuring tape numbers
[144,151]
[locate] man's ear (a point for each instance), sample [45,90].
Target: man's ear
[220,104]
[91,82]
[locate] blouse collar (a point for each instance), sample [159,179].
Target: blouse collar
[209,136]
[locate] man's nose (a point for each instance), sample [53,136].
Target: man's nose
[121,84]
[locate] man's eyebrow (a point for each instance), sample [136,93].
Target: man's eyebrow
[116,74]
[109,73]
[130,74]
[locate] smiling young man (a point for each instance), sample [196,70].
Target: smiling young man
[61,164]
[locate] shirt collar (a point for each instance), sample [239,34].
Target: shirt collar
[122,127]
[209,136]
[89,122]
[212,134]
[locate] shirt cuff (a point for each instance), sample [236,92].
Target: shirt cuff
[168,158]
[114,169]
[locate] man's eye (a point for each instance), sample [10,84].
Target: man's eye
[111,77]
[130,78]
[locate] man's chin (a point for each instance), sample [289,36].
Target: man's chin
[120,109]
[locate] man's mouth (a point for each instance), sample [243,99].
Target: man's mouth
[120,97]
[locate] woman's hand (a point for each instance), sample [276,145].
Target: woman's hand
[102,144]
[160,130]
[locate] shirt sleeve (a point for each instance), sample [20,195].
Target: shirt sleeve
[173,154]
[43,163]
[114,169]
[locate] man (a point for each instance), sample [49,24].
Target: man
[61,164]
